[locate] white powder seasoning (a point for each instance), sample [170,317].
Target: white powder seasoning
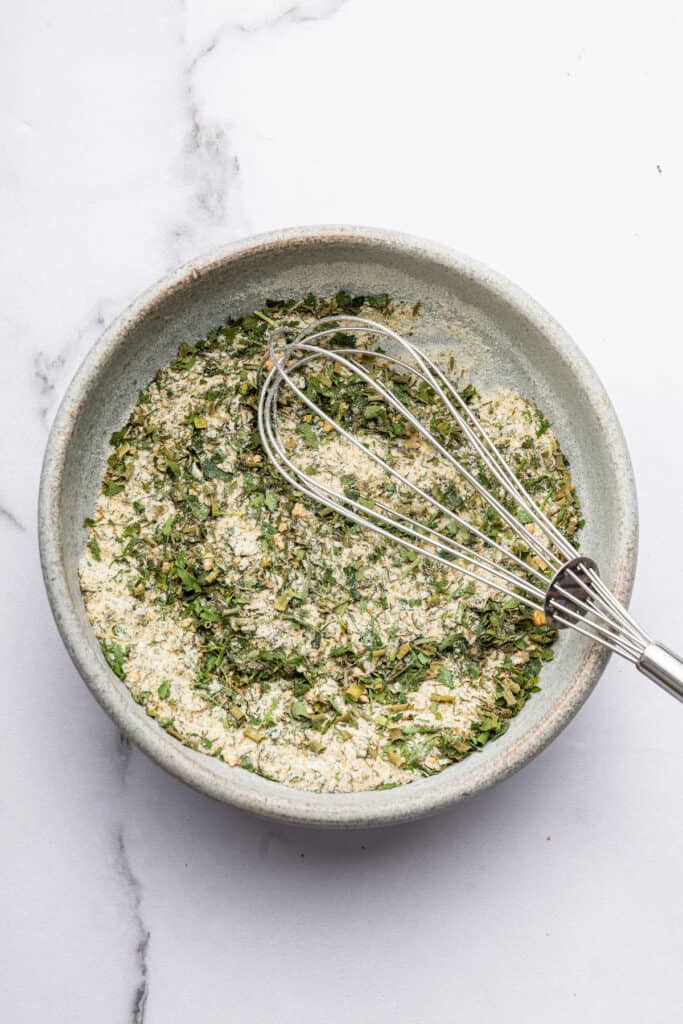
[289,642]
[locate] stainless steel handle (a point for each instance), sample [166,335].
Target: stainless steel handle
[664,667]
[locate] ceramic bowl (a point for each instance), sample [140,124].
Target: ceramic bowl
[498,334]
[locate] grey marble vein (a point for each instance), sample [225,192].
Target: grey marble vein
[47,371]
[123,754]
[49,368]
[7,516]
[208,167]
[209,158]
[313,10]
[134,893]
[295,14]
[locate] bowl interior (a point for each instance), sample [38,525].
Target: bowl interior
[498,336]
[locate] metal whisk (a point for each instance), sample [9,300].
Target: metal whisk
[562,584]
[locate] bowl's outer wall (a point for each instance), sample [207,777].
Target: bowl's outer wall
[498,335]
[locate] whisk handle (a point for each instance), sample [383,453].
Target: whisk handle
[664,667]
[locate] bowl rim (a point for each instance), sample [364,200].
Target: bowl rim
[274,800]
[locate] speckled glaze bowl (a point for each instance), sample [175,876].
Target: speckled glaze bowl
[497,333]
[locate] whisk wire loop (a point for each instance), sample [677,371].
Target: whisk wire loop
[559,582]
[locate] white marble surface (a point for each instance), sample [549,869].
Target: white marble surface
[541,138]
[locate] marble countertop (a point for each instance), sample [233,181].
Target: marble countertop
[542,139]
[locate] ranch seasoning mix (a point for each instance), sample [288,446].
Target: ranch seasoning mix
[258,629]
